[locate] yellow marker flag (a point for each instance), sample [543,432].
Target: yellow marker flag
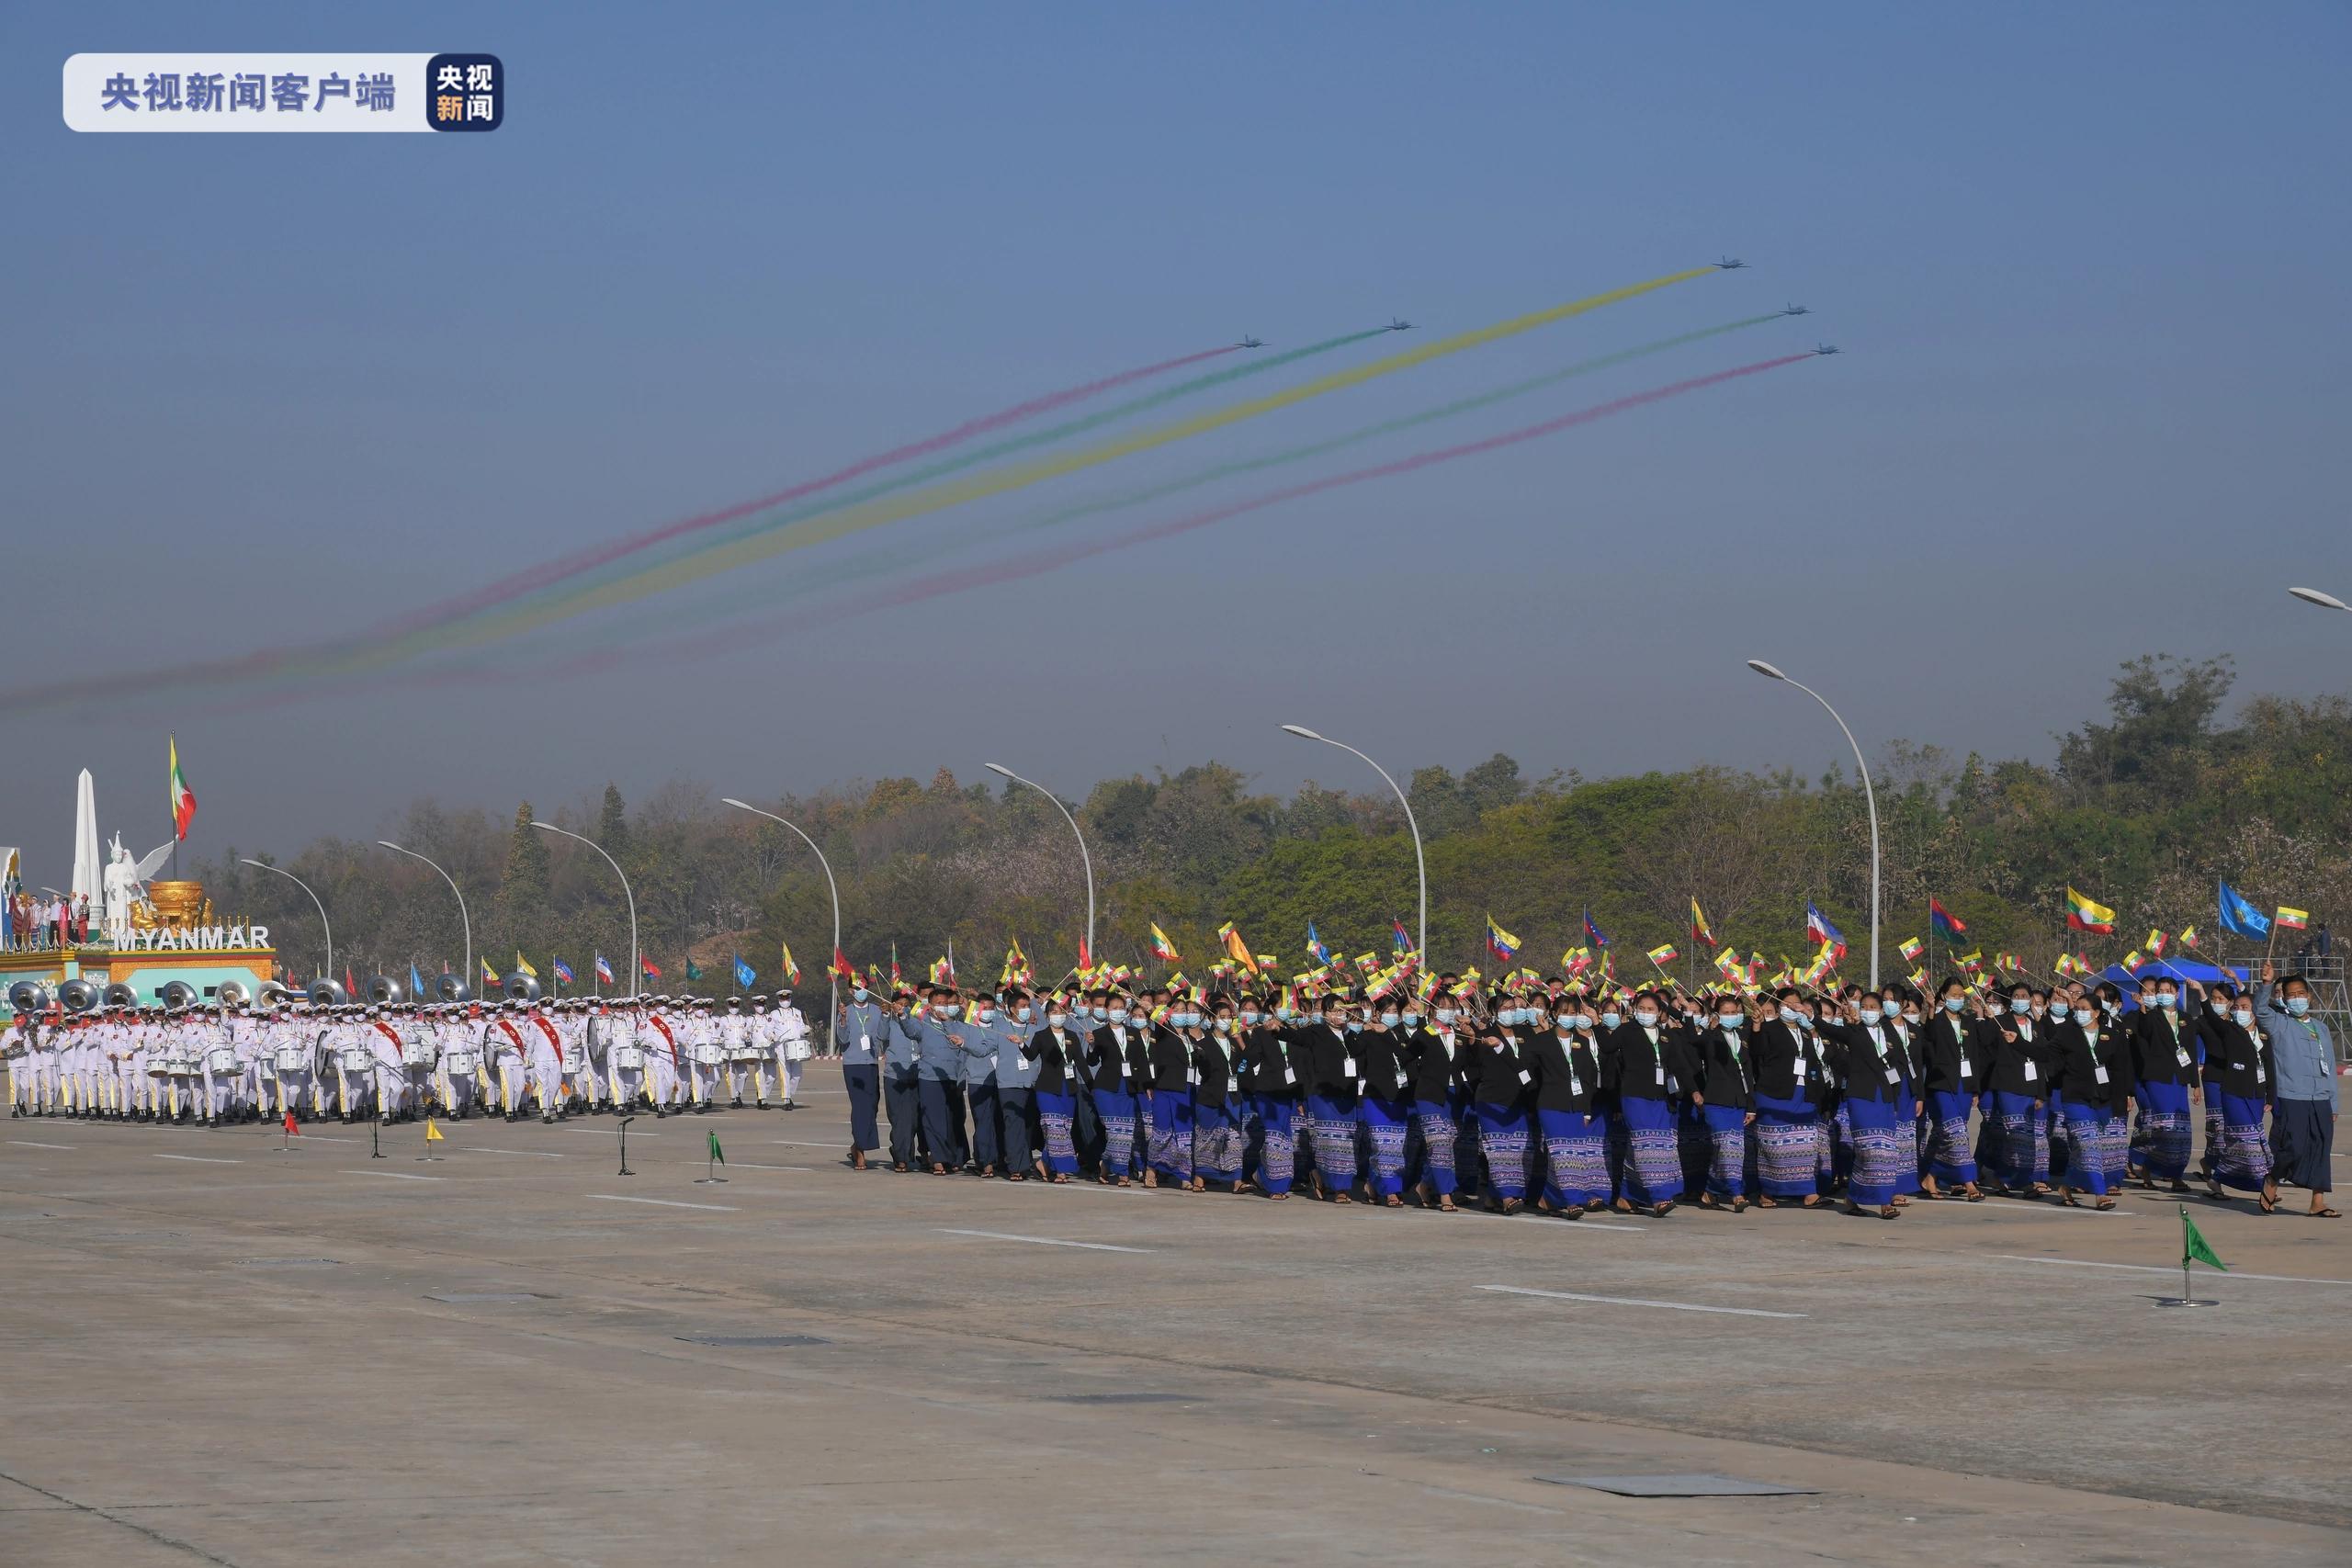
[432,1133]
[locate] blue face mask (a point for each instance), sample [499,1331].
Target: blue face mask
[1611,1019]
[1412,1021]
[2020,1005]
[1101,1015]
[2167,999]
[2298,1006]
[1248,1015]
[1869,1015]
[1355,1026]
[1731,1020]
[858,992]
[2084,1016]
[1953,1004]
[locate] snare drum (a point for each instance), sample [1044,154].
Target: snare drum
[711,1054]
[290,1058]
[458,1062]
[222,1059]
[629,1058]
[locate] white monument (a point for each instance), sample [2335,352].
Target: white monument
[121,893]
[88,868]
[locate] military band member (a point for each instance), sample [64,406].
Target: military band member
[789,1041]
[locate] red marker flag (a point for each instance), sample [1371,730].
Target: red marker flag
[291,1130]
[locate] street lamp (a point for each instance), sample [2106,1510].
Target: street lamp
[464,918]
[1420,867]
[2324,601]
[1087,956]
[1868,798]
[636,970]
[832,970]
[314,899]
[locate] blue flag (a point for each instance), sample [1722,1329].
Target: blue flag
[744,974]
[415,983]
[2240,918]
[563,971]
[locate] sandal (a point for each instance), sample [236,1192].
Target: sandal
[2105,1203]
[1890,1212]
[1445,1205]
[2324,1212]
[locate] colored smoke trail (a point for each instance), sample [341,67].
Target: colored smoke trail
[876,563]
[767,541]
[1036,563]
[519,583]
[347,656]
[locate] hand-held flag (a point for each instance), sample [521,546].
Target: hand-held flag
[2084,913]
[1161,948]
[2240,918]
[2293,919]
[1912,949]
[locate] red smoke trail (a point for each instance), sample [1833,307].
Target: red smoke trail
[530,578]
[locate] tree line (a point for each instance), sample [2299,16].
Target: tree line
[2145,809]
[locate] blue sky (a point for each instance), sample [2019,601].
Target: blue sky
[2085,262]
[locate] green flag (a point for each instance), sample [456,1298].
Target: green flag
[721,1156]
[693,971]
[2192,1241]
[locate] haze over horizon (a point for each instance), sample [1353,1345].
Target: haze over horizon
[2082,264]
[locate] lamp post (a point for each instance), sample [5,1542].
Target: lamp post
[1084,857]
[314,899]
[832,971]
[1870,797]
[636,970]
[1421,865]
[2324,601]
[465,919]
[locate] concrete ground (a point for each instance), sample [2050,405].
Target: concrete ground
[219,1353]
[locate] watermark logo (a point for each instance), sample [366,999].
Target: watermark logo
[285,92]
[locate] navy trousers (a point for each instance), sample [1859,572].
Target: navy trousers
[864,1086]
[906,1112]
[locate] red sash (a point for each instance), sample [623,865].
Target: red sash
[656,1020]
[548,1030]
[386,1030]
[508,1026]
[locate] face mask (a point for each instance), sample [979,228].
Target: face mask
[1869,1015]
[1611,1020]
[2112,1006]
[1953,1004]
[1645,1017]
[1392,1020]
[1023,1015]
[1101,1015]
[1412,1021]
[1058,1019]
[2039,1010]
[1797,1022]
[1248,1015]
[2084,1016]
[1731,1020]
[1447,1015]
[2298,1006]
[1225,1026]
[1285,1015]
[2020,1007]
[952,1009]
[1582,1020]
[2244,1017]
[1355,1026]
[858,992]
[2167,999]
[1139,1017]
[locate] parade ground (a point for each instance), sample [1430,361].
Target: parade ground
[221,1353]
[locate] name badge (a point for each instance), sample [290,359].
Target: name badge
[1575,1084]
[1965,1070]
[864,1042]
[2180,1056]
[1289,1076]
[1401,1079]
[1801,1069]
[1661,1074]
[1346,1067]
[1894,1077]
[2029,1073]
[2099,1073]
[1674,1086]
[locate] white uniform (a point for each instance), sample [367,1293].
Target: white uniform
[739,1040]
[705,1056]
[506,1063]
[665,1058]
[788,1038]
[222,1072]
[461,1063]
[290,1057]
[16,1056]
[616,1029]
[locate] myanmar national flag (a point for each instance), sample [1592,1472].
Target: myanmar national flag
[1662,957]
[2087,914]
[791,970]
[2156,943]
[1700,929]
[1948,926]
[1912,948]
[2293,919]
[2188,938]
[1161,948]
[183,798]
[1500,943]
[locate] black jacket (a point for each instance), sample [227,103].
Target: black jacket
[1773,1059]
[1567,1072]
[1217,1061]
[1106,1066]
[1865,1066]
[1270,1064]
[2163,1046]
[1956,1054]
[1436,1072]
[2013,1055]
[1499,1074]
[1727,1067]
[2083,1064]
[1059,1063]
[2237,1060]
[1633,1068]
[1327,1063]
[1384,1064]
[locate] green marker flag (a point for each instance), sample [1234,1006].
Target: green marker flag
[693,971]
[721,1156]
[2193,1246]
